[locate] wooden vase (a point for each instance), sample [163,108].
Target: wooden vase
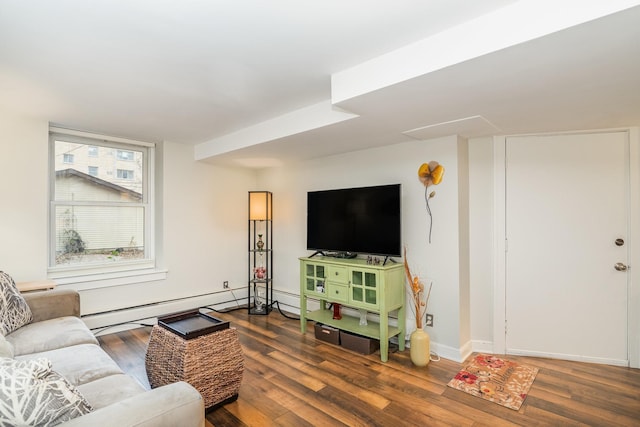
[419,350]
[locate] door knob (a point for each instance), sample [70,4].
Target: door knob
[620,267]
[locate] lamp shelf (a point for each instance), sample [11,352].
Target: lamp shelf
[259,248]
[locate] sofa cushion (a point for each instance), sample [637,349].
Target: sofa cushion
[14,311]
[35,395]
[111,389]
[6,349]
[79,364]
[50,335]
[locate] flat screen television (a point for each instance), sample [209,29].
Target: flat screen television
[351,221]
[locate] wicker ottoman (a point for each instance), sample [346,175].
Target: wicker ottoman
[211,363]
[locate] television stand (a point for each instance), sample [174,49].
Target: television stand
[317,253]
[353,283]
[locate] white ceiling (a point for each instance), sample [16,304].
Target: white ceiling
[261,83]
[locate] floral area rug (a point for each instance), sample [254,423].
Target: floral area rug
[496,380]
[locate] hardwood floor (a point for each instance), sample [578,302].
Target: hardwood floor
[292,379]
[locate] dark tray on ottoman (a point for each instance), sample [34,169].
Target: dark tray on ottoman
[191,324]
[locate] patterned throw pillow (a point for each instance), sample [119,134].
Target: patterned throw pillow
[34,395]
[14,311]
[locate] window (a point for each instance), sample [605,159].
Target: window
[98,221]
[124,155]
[67,158]
[125,174]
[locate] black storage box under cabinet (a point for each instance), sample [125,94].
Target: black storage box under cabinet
[358,343]
[327,333]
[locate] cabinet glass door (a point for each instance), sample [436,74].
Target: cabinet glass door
[357,290]
[315,278]
[364,287]
[370,288]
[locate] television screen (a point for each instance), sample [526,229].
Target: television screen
[362,220]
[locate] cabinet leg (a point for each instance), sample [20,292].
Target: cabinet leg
[384,350]
[303,315]
[402,326]
[384,338]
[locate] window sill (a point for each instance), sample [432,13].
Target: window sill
[95,280]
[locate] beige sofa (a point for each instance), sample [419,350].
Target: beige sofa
[58,335]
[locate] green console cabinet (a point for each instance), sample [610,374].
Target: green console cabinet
[353,283]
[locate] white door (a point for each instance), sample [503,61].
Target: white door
[566,205]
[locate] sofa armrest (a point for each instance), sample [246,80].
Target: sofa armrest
[177,404]
[47,305]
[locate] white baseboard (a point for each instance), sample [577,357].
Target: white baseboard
[572,357]
[479,346]
[445,351]
[131,318]
[450,353]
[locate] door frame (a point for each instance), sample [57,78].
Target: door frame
[499,246]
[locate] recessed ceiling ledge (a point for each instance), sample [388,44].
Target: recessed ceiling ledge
[302,120]
[511,25]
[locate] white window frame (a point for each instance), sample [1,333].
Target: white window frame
[95,169]
[104,275]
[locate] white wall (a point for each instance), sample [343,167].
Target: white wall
[481,235]
[203,221]
[24,190]
[437,262]
[464,301]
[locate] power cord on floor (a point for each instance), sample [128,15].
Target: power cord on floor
[228,310]
[239,307]
[235,298]
[282,312]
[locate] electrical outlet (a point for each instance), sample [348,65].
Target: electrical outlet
[225,284]
[429,320]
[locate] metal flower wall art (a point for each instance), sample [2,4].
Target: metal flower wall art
[430,174]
